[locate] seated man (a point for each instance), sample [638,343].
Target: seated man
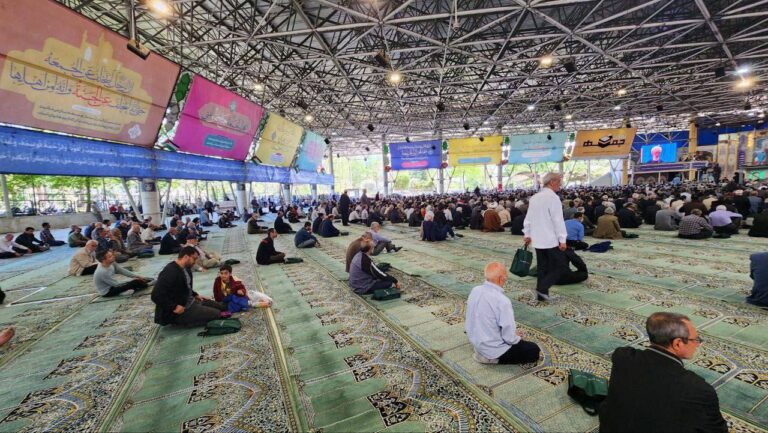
[104,277]
[431,231]
[651,390]
[569,276]
[149,236]
[176,302]
[364,276]
[304,237]
[135,244]
[206,259]
[666,219]
[281,226]
[76,238]
[28,240]
[575,230]
[758,271]
[490,323]
[725,221]
[694,226]
[516,227]
[224,222]
[318,222]
[491,221]
[266,254]
[10,249]
[381,242]
[253,225]
[759,227]
[84,262]
[169,244]
[628,217]
[327,229]
[354,247]
[47,237]
[230,291]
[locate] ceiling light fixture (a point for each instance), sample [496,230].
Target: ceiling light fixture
[440,106]
[546,61]
[617,108]
[745,83]
[309,117]
[159,7]
[742,70]
[621,92]
[370,127]
[531,107]
[717,124]
[485,122]
[568,116]
[258,87]
[394,77]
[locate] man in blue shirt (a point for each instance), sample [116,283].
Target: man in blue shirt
[575,230]
[758,270]
[490,323]
[304,237]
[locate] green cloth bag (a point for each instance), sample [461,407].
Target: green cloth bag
[221,327]
[521,264]
[386,294]
[587,389]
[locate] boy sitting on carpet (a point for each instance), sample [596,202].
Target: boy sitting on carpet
[232,292]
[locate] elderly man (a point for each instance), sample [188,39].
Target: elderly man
[651,390]
[724,221]
[10,249]
[104,277]
[490,323]
[135,244]
[544,227]
[381,242]
[84,262]
[170,244]
[694,226]
[666,219]
[206,259]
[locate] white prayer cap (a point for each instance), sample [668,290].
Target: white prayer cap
[739,192]
[721,207]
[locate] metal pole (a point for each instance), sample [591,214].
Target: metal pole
[330,167]
[589,171]
[6,197]
[384,165]
[440,171]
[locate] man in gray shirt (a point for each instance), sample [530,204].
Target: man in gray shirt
[104,277]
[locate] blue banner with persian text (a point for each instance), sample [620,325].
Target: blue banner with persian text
[25,151]
[532,148]
[416,155]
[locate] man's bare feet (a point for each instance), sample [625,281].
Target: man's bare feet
[6,335]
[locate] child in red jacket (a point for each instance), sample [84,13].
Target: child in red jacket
[231,291]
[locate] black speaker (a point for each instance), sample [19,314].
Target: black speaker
[659,107]
[440,106]
[558,107]
[570,66]
[466,126]
[720,72]
[370,127]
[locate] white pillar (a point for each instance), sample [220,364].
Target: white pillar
[384,165]
[330,167]
[286,193]
[589,171]
[560,168]
[241,198]
[150,201]
[313,189]
[6,197]
[499,177]
[440,171]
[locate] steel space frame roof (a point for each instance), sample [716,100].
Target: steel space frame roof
[479,58]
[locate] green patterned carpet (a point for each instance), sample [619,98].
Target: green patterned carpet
[324,359]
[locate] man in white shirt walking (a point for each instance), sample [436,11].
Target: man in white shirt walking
[490,323]
[544,227]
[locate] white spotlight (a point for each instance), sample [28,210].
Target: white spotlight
[568,116]
[160,7]
[394,77]
[531,107]
[546,61]
[309,118]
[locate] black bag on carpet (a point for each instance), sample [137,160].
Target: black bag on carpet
[587,389]
[386,294]
[521,265]
[291,260]
[221,327]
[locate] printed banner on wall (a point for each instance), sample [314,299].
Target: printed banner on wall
[416,155]
[217,122]
[760,149]
[604,143]
[279,142]
[531,148]
[311,152]
[64,72]
[467,151]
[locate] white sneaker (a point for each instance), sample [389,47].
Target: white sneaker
[127,293]
[483,360]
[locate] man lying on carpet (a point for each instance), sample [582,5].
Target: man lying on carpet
[176,302]
[364,276]
[651,390]
[490,323]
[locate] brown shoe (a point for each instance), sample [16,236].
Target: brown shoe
[6,335]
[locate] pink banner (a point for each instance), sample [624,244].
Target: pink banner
[63,72]
[217,122]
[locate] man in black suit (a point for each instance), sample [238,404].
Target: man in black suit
[176,302]
[170,244]
[651,391]
[344,208]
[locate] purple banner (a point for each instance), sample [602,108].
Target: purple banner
[217,122]
[417,155]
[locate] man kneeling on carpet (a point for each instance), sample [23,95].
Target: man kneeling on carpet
[364,276]
[176,302]
[490,323]
[104,277]
[232,292]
